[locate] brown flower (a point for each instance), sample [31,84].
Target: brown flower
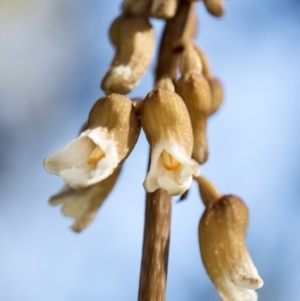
[222,232]
[112,131]
[167,125]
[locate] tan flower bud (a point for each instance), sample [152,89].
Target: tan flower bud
[215,7]
[137,7]
[217,94]
[163,9]
[112,131]
[216,89]
[133,37]
[222,232]
[137,104]
[83,204]
[165,83]
[204,60]
[195,91]
[190,60]
[167,126]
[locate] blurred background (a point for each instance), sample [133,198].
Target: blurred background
[53,55]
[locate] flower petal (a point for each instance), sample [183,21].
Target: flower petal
[83,204]
[175,181]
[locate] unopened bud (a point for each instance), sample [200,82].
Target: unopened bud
[204,60]
[216,89]
[195,91]
[189,58]
[215,7]
[165,83]
[137,7]
[163,9]
[217,94]
[137,104]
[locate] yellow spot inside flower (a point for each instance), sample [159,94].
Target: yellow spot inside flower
[96,155]
[170,163]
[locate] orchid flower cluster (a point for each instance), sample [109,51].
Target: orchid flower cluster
[174,118]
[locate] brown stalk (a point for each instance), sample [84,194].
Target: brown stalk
[154,265]
[154,268]
[182,27]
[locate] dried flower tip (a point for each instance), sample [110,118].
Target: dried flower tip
[83,204]
[163,9]
[215,7]
[137,104]
[96,155]
[204,60]
[111,134]
[167,126]
[165,83]
[189,58]
[217,94]
[133,37]
[195,91]
[209,193]
[136,7]
[222,231]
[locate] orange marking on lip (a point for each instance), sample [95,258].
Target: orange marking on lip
[170,163]
[96,155]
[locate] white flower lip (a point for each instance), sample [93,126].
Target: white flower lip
[239,285]
[175,181]
[71,163]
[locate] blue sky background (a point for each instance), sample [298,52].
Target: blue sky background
[53,55]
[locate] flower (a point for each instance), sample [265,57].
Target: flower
[195,92]
[167,125]
[216,89]
[112,131]
[222,231]
[133,37]
[83,204]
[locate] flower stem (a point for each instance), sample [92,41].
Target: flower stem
[154,268]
